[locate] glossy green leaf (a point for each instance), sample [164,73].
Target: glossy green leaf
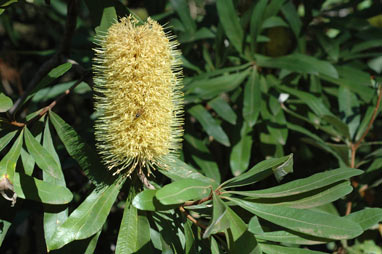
[28,187]
[241,151]
[85,155]
[340,126]
[190,246]
[314,103]
[260,171]
[231,25]
[54,74]
[290,237]
[4,140]
[88,218]
[274,21]
[313,182]
[203,158]
[5,103]
[43,159]
[240,240]
[223,109]
[181,7]
[146,200]
[219,221]
[252,99]
[365,122]
[184,190]
[367,217]
[349,109]
[305,221]
[277,249]
[9,161]
[209,124]
[178,170]
[209,88]
[322,197]
[109,15]
[28,162]
[298,63]
[256,23]
[134,232]
[52,219]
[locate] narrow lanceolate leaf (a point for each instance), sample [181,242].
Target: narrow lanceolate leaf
[298,63]
[219,221]
[304,185]
[146,200]
[179,170]
[349,107]
[134,232]
[4,141]
[305,221]
[291,237]
[184,190]
[277,249]
[88,218]
[231,25]
[209,124]
[257,22]
[44,159]
[223,109]
[28,187]
[5,103]
[8,162]
[367,217]
[85,156]
[322,197]
[241,152]
[53,219]
[260,171]
[181,7]
[252,99]
[6,225]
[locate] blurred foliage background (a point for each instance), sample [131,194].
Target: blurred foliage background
[262,80]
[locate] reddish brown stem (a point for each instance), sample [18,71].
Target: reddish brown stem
[192,219]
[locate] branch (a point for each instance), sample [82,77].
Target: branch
[58,58]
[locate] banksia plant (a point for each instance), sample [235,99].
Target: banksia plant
[137,95]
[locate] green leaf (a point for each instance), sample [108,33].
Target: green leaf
[231,25]
[209,124]
[349,109]
[223,109]
[109,15]
[298,63]
[340,126]
[219,221]
[88,218]
[273,21]
[367,217]
[290,237]
[277,249]
[49,78]
[4,140]
[85,155]
[43,159]
[256,23]
[309,200]
[178,170]
[252,99]
[184,190]
[299,186]
[240,240]
[52,219]
[5,103]
[181,7]
[28,187]
[241,152]
[203,157]
[260,171]
[190,246]
[305,221]
[9,161]
[4,228]
[146,200]
[208,88]
[28,162]
[313,102]
[134,232]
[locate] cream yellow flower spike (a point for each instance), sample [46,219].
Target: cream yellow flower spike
[137,95]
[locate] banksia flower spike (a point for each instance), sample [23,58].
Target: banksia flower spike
[137,95]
